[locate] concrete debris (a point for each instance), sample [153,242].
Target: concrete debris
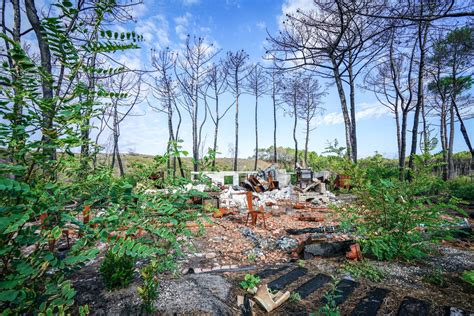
[270,301]
[286,243]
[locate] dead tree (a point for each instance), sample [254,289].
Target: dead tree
[126,90]
[311,94]
[292,95]
[190,72]
[165,90]
[215,87]
[333,42]
[393,82]
[236,68]
[275,84]
[256,86]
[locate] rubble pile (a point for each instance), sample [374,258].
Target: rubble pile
[295,221]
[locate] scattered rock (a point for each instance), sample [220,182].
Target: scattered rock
[286,243]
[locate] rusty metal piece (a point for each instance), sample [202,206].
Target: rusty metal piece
[342,182]
[354,253]
[311,217]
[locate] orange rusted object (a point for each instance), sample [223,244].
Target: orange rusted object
[354,253]
[342,182]
[86,216]
[311,218]
[219,213]
[254,214]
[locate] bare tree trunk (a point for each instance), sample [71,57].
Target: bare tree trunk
[451,141]
[216,131]
[403,147]
[236,150]
[353,112]
[464,131]
[49,109]
[180,119]
[195,133]
[294,127]
[275,158]
[170,137]
[426,140]
[422,38]
[306,144]
[345,113]
[256,133]
[397,123]
[444,142]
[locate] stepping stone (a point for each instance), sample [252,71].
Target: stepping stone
[305,289]
[370,304]
[287,279]
[413,307]
[271,271]
[343,289]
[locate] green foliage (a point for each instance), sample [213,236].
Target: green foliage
[392,218]
[294,297]
[251,257]
[436,277]
[117,271]
[330,308]
[462,188]
[250,281]
[468,276]
[363,269]
[148,291]
[44,186]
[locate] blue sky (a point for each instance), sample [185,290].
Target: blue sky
[234,25]
[243,24]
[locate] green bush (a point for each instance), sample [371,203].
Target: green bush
[117,271]
[468,276]
[149,289]
[462,188]
[250,281]
[393,218]
[364,269]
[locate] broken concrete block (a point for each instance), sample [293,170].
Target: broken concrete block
[269,301]
[326,249]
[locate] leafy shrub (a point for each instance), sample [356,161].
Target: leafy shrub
[364,269]
[149,289]
[462,188]
[392,218]
[117,271]
[250,281]
[468,276]
[436,278]
[330,296]
[294,297]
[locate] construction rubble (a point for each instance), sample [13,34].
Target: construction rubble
[265,219]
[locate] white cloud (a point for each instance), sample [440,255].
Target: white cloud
[154,30]
[182,25]
[291,6]
[190,2]
[261,25]
[363,111]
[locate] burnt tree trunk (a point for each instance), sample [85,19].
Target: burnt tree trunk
[256,133]
[48,110]
[345,112]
